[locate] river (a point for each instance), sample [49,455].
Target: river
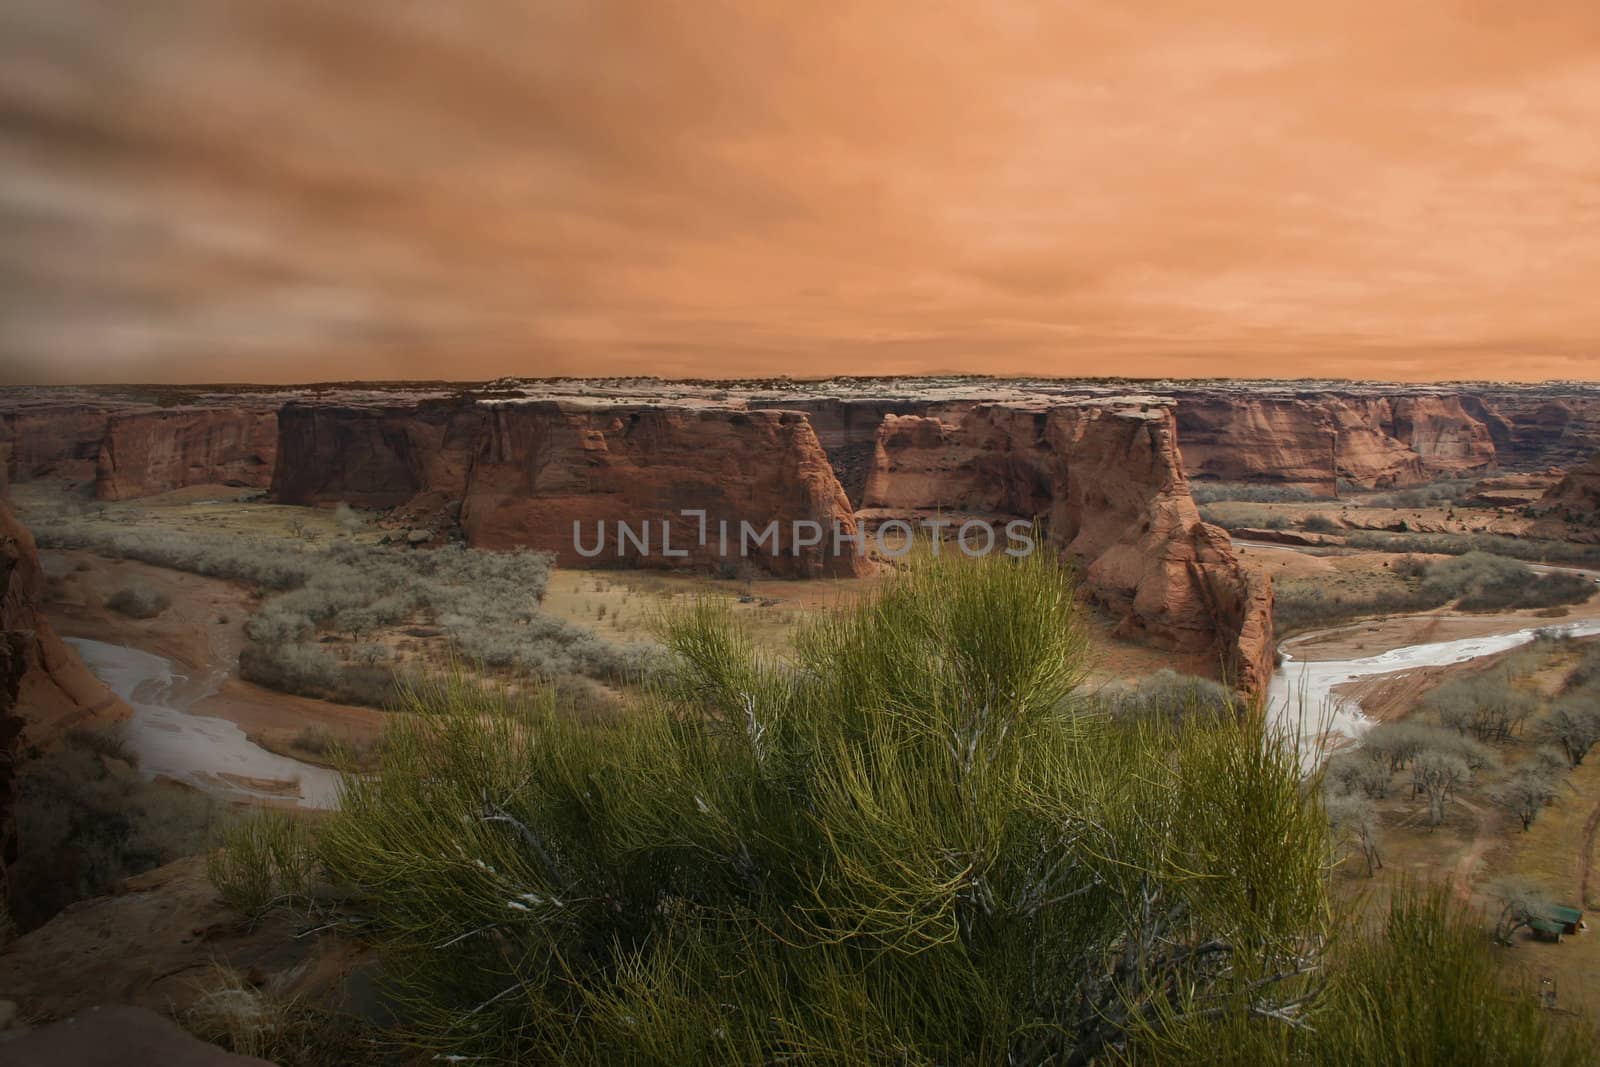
[1301,696]
[209,753]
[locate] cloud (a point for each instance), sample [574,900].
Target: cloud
[291,189]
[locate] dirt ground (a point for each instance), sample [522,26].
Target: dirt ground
[628,605]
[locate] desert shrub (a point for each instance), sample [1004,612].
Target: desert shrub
[348,518]
[311,670]
[488,602]
[1217,492]
[1479,581]
[293,668]
[1446,544]
[267,860]
[1444,491]
[902,847]
[1586,673]
[86,819]
[138,600]
[909,844]
[1305,605]
[1168,694]
[1321,523]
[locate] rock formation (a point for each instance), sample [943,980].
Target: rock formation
[1106,479]
[55,690]
[48,439]
[1316,441]
[1577,495]
[44,687]
[375,456]
[145,453]
[545,467]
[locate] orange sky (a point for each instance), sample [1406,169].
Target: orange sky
[285,190]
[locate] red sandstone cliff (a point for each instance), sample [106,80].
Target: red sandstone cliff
[56,689]
[152,452]
[544,466]
[1310,441]
[1107,478]
[60,440]
[1577,494]
[375,456]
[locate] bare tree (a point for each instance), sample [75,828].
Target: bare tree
[1520,903]
[1436,774]
[1354,818]
[1574,727]
[1525,794]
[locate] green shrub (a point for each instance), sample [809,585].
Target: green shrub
[266,860]
[906,845]
[1423,990]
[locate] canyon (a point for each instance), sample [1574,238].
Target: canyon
[1103,466]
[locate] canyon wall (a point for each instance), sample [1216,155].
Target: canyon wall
[1315,441]
[51,440]
[543,467]
[1105,478]
[1577,495]
[375,456]
[1309,435]
[145,453]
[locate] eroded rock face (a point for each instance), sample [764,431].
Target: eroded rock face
[544,466]
[1106,477]
[1577,494]
[58,440]
[44,687]
[55,691]
[1313,442]
[145,453]
[375,456]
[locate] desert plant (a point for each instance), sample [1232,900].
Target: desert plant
[138,600]
[1525,794]
[1573,725]
[267,860]
[904,845]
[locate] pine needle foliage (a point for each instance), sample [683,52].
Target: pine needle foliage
[910,842]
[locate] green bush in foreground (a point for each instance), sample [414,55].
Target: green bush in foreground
[909,844]
[266,860]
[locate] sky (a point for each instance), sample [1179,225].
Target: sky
[298,190]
